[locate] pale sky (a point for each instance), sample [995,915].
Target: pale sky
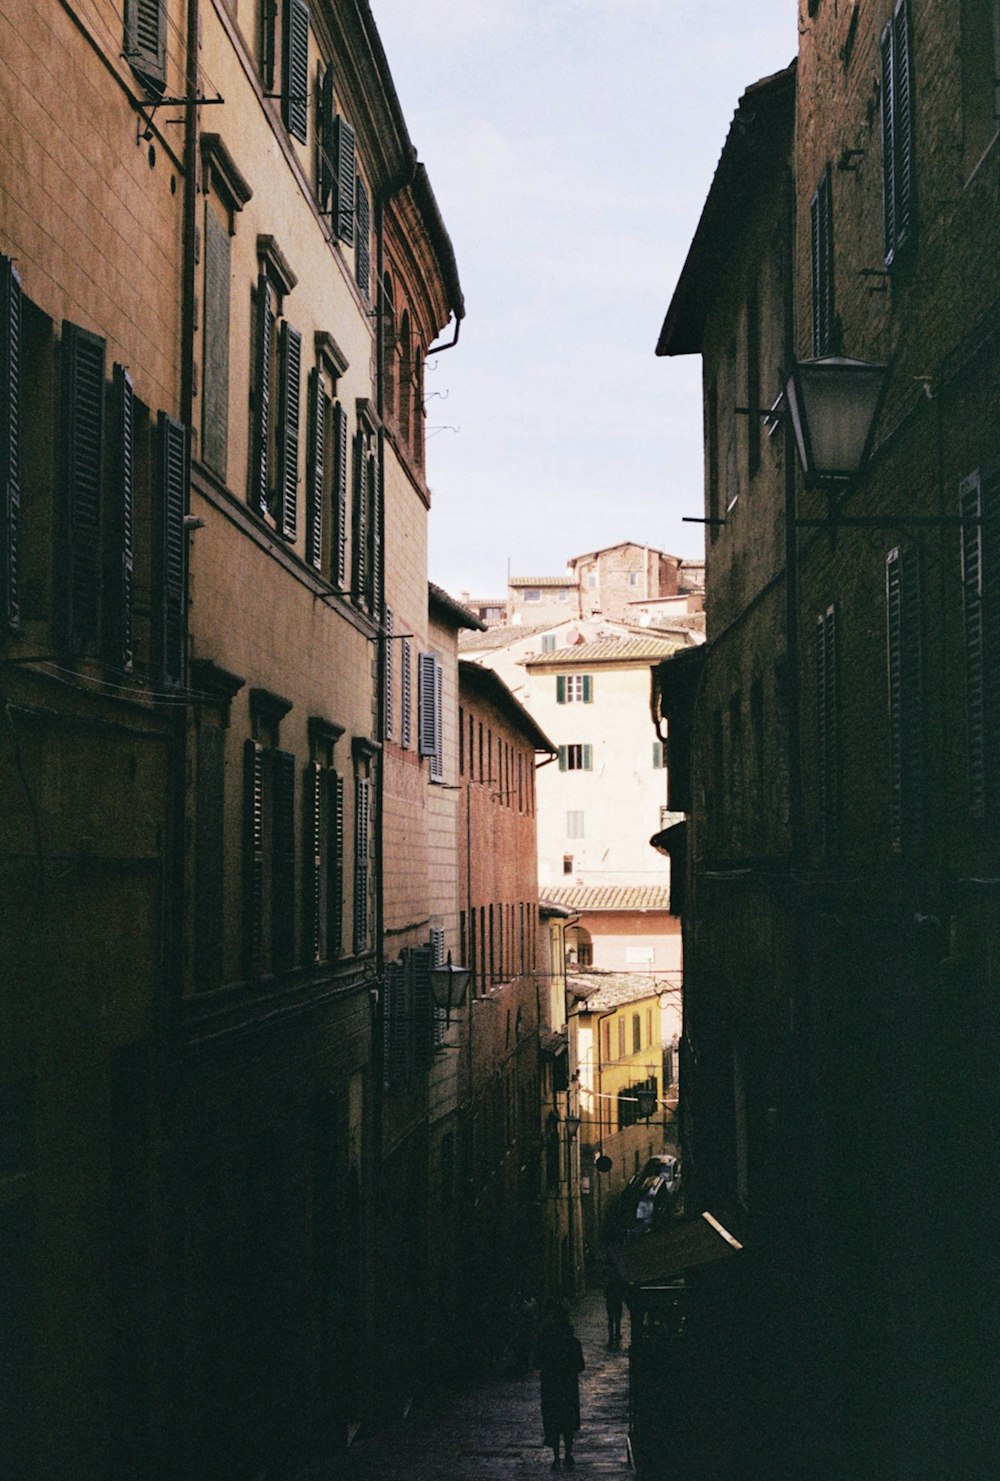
[570,144]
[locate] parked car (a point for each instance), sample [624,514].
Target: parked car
[651,1193]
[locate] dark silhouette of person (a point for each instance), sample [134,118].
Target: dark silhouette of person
[560,1360]
[614,1294]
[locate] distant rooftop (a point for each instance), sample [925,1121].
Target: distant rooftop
[609,650]
[610,897]
[543,581]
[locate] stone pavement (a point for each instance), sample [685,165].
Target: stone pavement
[492,1430]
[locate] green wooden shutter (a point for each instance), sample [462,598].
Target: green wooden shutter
[362,835]
[146,40]
[283,861]
[319,431]
[295,72]
[588,758]
[253,857]
[325,140]
[359,577]
[10,441]
[341,439]
[560,689]
[427,739]
[588,689]
[289,400]
[215,357]
[173,491]
[563,760]
[83,383]
[335,876]
[119,569]
[362,263]
[262,396]
[209,853]
[343,215]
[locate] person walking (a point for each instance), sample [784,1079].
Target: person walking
[614,1293]
[560,1361]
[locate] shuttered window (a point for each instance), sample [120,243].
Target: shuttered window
[387,676]
[361,529]
[324,863]
[83,406]
[408,1019]
[10,441]
[979,506]
[326,156]
[283,861]
[209,849]
[898,193]
[429,701]
[120,549]
[215,344]
[828,728]
[344,204]
[260,451]
[289,404]
[659,755]
[405,694]
[253,858]
[146,40]
[317,466]
[362,260]
[576,758]
[905,696]
[821,224]
[341,438]
[375,573]
[362,862]
[172,490]
[295,69]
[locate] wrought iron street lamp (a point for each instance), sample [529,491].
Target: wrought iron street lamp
[449,984]
[833,403]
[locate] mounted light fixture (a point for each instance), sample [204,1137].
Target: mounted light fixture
[572,1125]
[449,984]
[833,403]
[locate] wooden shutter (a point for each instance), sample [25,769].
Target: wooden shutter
[335,872]
[119,570]
[437,758]
[209,848]
[83,367]
[406,695]
[314,856]
[897,131]
[362,261]
[588,689]
[215,367]
[146,40]
[10,441]
[283,860]
[905,696]
[319,431]
[827,718]
[362,824]
[339,559]
[374,492]
[560,689]
[563,758]
[289,399]
[422,960]
[344,205]
[325,141]
[426,689]
[253,857]
[262,396]
[587,758]
[295,71]
[821,217]
[359,578]
[393,1023]
[387,673]
[888,146]
[173,489]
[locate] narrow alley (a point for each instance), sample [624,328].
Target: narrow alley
[492,1429]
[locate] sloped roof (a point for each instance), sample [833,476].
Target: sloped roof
[609,650]
[592,897]
[505,636]
[542,581]
[603,990]
[447,606]
[477,679]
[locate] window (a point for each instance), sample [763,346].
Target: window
[362,246]
[606,1040]
[821,225]
[11,347]
[405,693]
[388,669]
[362,856]
[576,758]
[574,689]
[531,594]
[430,684]
[215,342]
[620,1021]
[408,1018]
[636,1033]
[905,688]
[170,553]
[295,69]
[592,580]
[567,863]
[562,596]
[275,396]
[630,1109]
[146,41]
[549,643]
[574,824]
[323,884]
[633,578]
[897,132]
[83,411]
[828,727]
[979,504]
[659,755]
[268,840]
[366,549]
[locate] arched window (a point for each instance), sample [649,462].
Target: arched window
[388,346]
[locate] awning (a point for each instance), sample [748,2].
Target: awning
[553,1044]
[666,1253]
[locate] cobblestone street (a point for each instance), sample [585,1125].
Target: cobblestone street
[492,1430]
